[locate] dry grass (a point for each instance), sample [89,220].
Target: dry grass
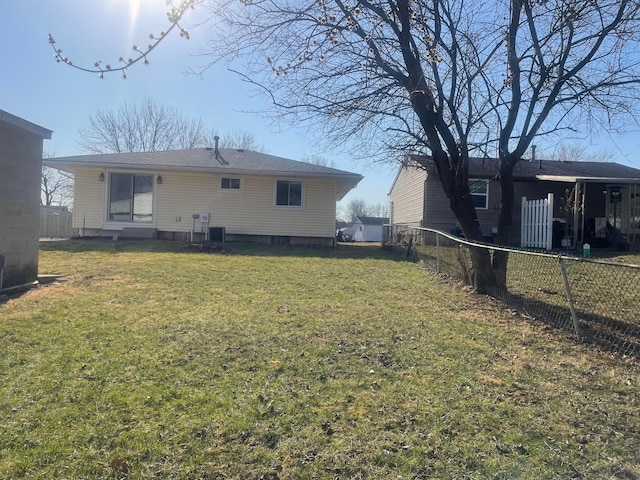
[150,362]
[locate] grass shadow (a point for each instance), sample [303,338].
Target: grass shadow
[364,251]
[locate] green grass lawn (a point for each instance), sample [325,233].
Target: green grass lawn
[153,362]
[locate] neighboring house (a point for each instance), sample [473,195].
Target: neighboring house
[191,194]
[606,213]
[20,176]
[368,229]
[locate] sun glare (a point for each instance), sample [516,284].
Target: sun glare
[141,13]
[134,9]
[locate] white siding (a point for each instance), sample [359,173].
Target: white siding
[367,233]
[88,198]
[249,211]
[407,196]
[252,210]
[180,196]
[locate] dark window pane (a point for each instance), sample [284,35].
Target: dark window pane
[120,197]
[479,190]
[479,201]
[295,194]
[230,183]
[282,192]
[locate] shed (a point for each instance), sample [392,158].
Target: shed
[368,229]
[21,144]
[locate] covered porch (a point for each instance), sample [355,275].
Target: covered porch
[603,212]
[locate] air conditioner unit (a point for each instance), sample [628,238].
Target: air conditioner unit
[204,218]
[216,234]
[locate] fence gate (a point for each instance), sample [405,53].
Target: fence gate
[537,223]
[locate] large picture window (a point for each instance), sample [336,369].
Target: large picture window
[130,198]
[288,193]
[479,193]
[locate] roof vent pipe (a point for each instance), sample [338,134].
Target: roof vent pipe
[533,156]
[216,151]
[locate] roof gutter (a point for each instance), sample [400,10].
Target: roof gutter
[574,179]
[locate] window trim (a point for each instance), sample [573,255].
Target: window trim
[485,195]
[230,177]
[289,180]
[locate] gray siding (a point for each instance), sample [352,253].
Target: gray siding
[407,196]
[20,167]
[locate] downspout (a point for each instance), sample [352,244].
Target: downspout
[1,271]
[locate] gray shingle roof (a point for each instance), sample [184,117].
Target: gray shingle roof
[203,159]
[488,168]
[373,220]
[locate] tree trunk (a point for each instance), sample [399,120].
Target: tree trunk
[465,212]
[505,223]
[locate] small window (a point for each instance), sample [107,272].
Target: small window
[289,193]
[229,183]
[479,193]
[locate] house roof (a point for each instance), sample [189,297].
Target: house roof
[25,125]
[227,161]
[372,220]
[550,170]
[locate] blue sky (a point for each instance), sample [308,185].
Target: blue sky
[61,99]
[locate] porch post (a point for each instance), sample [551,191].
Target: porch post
[576,214]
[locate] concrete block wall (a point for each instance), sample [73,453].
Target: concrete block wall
[20,176]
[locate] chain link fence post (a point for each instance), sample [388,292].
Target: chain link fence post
[597,300]
[567,288]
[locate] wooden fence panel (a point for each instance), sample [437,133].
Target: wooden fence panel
[56,226]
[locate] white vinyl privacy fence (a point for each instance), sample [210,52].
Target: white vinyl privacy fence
[537,223]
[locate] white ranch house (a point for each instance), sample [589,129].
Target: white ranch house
[199,193]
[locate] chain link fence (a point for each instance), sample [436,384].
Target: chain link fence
[597,301]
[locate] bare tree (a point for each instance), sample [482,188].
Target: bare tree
[150,127]
[142,128]
[56,187]
[358,207]
[573,152]
[447,78]
[240,139]
[319,160]
[175,14]
[380,210]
